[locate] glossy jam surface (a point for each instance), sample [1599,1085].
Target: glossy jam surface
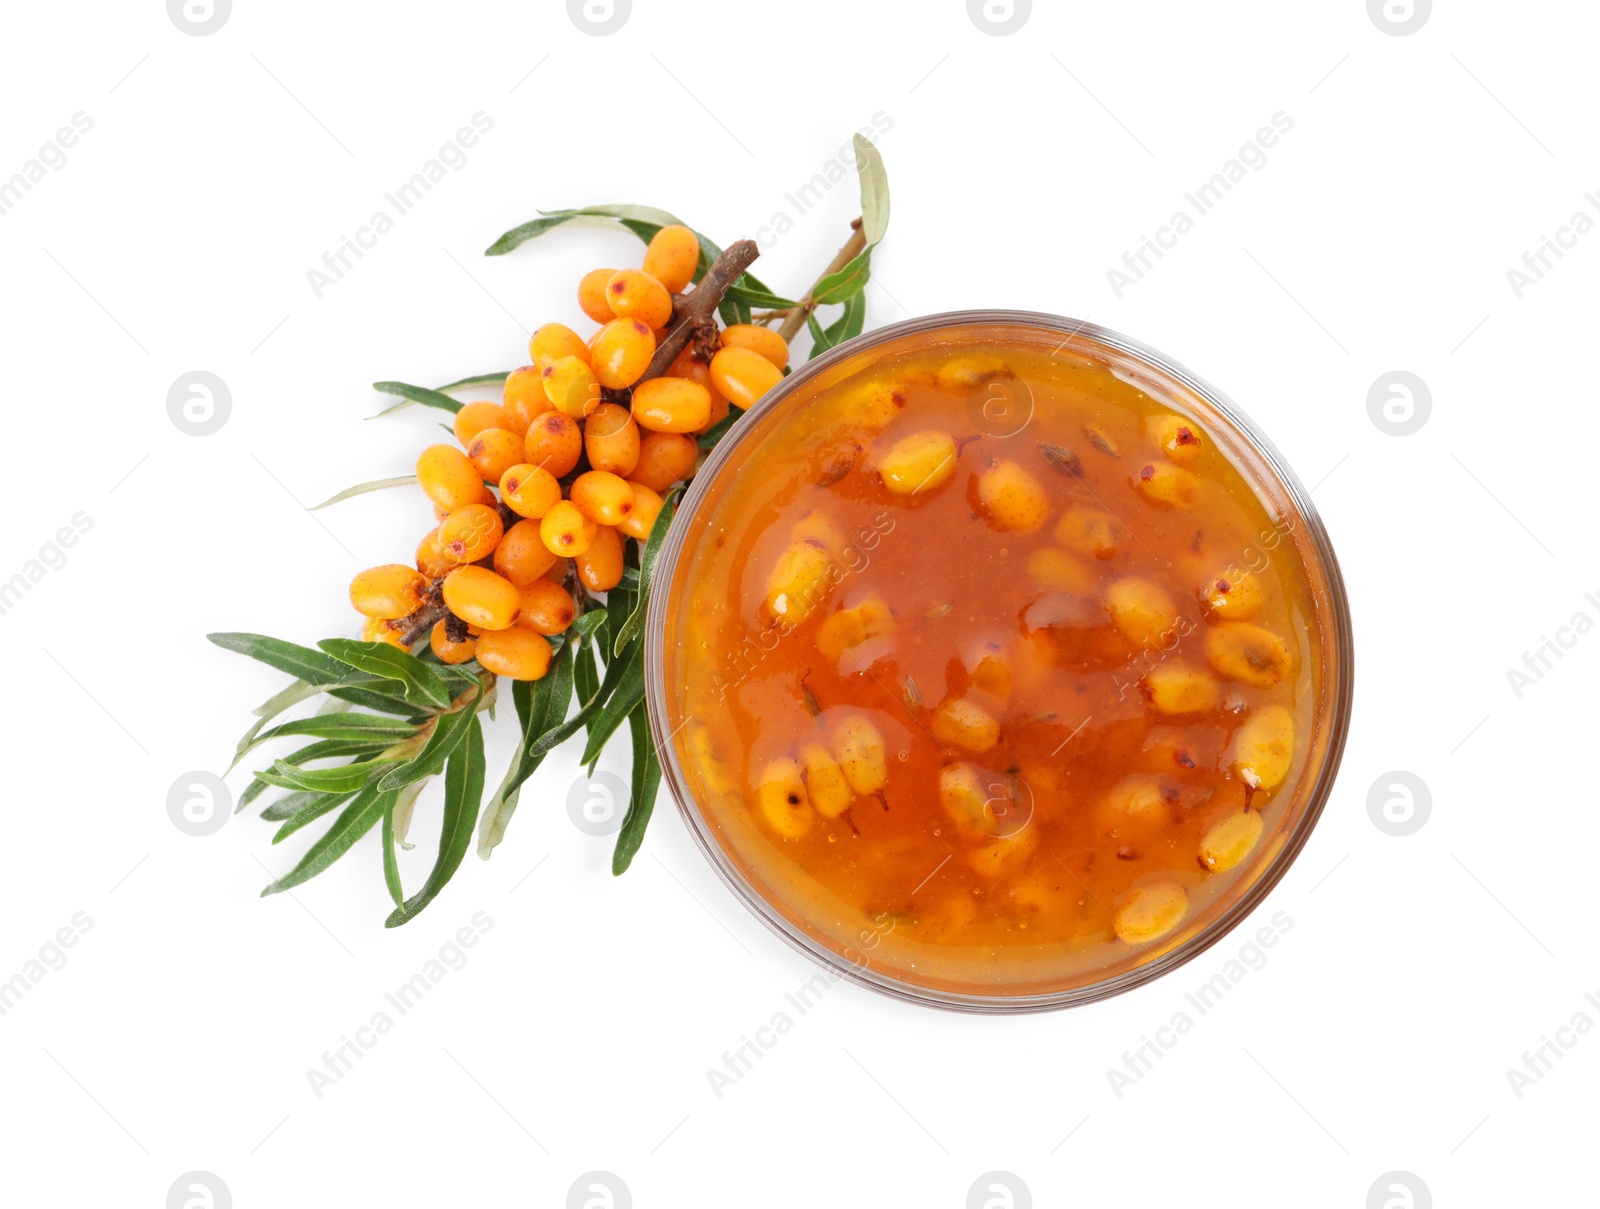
[989,669]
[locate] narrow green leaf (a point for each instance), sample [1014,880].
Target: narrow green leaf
[846,283]
[291,804]
[251,792]
[874,190]
[820,342]
[318,805]
[647,566]
[733,310]
[264,713]
[383,730]
[753,294]
[642,792]
[311,666]
[376,694]
[710,437]
[463,794]
[495,379]
[586,671]
[448,732]
[330,749]
[422,684]
[391,863]
[628,693]
[357,819]
[418,394]
[404,480]
[848,325]
[344,778]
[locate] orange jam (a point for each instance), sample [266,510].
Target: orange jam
[990,667]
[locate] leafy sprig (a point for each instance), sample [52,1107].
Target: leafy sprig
[390,721]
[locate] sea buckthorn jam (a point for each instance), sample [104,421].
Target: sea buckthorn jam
[990,667]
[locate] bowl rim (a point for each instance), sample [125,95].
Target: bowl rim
[860,973]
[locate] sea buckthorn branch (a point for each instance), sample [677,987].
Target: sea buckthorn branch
[552,509]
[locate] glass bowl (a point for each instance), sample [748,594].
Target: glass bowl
[859,957]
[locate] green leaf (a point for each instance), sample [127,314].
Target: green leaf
[340,779]
[404,806]
[318,805]
[376,694]
[710,437]
[586,671]
[551,739]
[642,792]
[329,749]
[754,294]
[647,566]
[540,705]
[846,327]
[358,818]
[418,394]
[497,379]
[874,191]
[846,283]
[422,684]
[733,310]
[301,662]
[291,804]
[629,691]
[448,732]
[379,730]
[463,794]
[391,863]
[404,480]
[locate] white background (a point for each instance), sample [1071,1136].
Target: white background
[178,236]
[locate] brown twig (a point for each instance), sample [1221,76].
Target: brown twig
[416,626]
[852,249]
[692,310]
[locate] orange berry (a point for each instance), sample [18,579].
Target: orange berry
[570,386]
[743,376]
[671,405]
[672,257]
[480,597]
[611,439]
[592,295]
[760,340]
[556,340]
[664,459]
[521,556]
[529,490]
[524,398]
[389,591]
[547,608]
[450,652]
[646,507]
[636,295]
[517,653]
[377,629]
[603,497]
[473,418]
[432,560]
[553,442]
[495,451]
[566,531]
[600,566]
[622,352]
[695,370]
[471,533]
[558,570]
[448,478]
